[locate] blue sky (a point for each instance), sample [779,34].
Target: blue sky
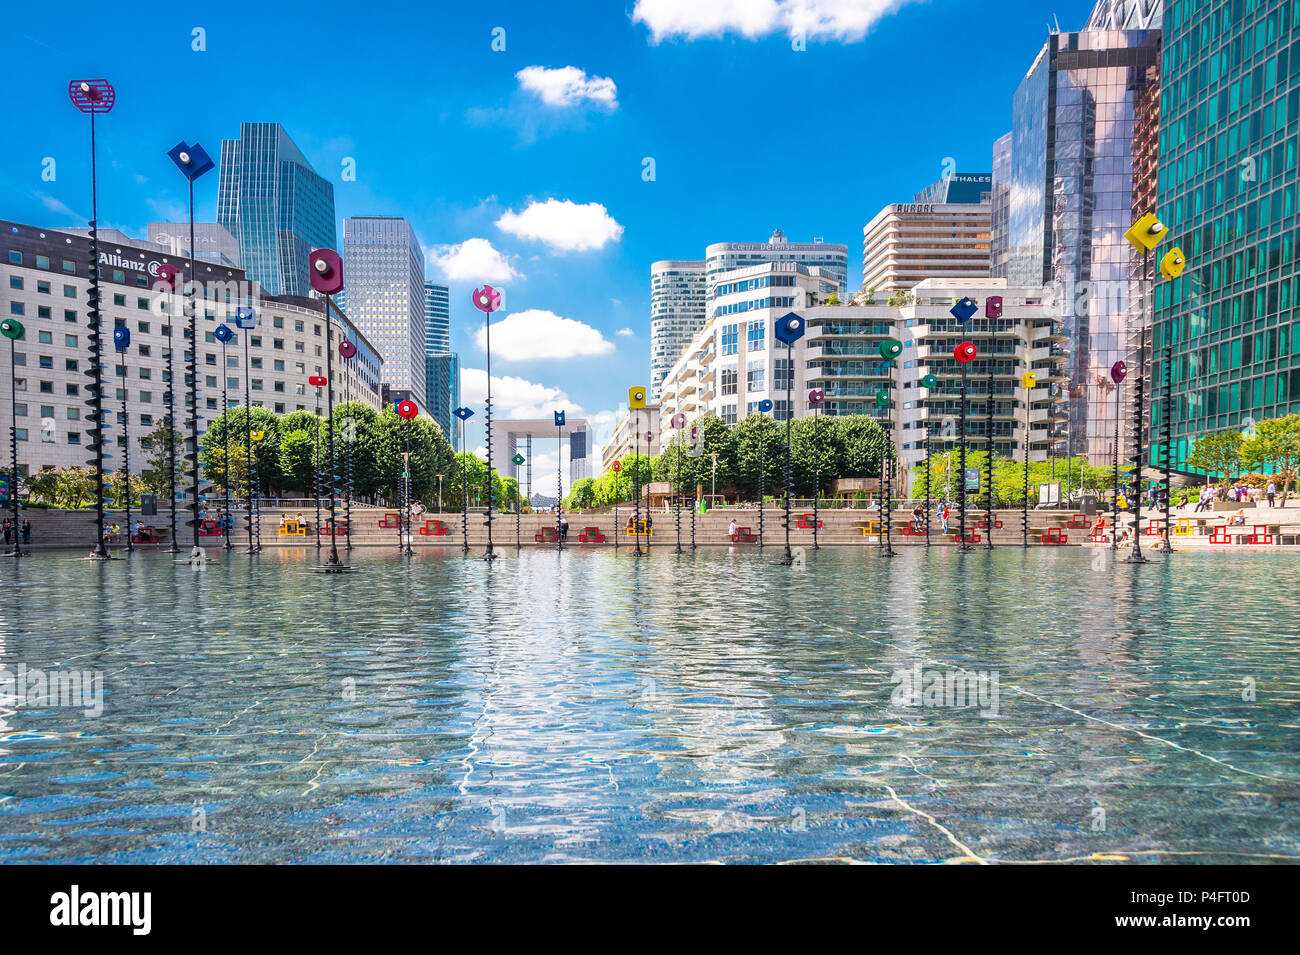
[544,168]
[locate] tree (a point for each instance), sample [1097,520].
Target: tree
[266,452]
[1275,445]
[1218,455]
[157,445]
[298,461]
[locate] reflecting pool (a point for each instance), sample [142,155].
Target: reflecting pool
[575,706]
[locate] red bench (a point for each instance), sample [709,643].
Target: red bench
[546,536]
[744,535]
[971,538]
[591,535]
[1078,522]
[1219,535]
[434,528]
[147,535]
[807,523]
[392,520]
[1259,535]
[209,528]
[911,530]
[1156,528]
[983,523]
[340,528]
[1054,535]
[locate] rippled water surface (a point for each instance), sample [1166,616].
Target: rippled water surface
[591,706]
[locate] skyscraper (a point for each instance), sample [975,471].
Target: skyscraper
[385,276]
[942,233]
[676,314]
[437,319]
[1227,185]
[277,207]
[1071,189]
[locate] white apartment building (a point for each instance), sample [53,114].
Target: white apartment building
[641,426]
[45,286]
[907,243]
[733,364]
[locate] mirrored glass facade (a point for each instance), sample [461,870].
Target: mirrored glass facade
[1072,184]
[1227,191]
[272,201]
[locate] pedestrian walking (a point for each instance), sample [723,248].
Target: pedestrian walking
[1272,493]
[27,531]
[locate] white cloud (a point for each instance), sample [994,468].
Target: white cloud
[513,397]
[568,86]
[474,260]
[846,20]
[60,207]
[563,225]
[625,332]
[538,333]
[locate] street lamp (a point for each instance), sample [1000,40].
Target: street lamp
[12,329]
[193,162]
[98,96]
[788,330]
[487,300]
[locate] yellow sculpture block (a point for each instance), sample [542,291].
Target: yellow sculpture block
[1172,264]
[1146,233]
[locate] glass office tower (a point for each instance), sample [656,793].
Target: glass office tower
[272,201]
[442,393]
[1227,191]
[1071,189]
[437,319]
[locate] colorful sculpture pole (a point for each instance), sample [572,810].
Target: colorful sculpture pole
[463,415]
[1027,381]
[317,461]
[517,460]
[678,422]
[992,312]
[223,334]
[407,411]
[815,399]
[559,479]
[889,350]
[193,162]
[98,96]
[12,329]
[487,300]
[348,351]
[764,407]
[1171,266]
[326,270]
[930,383]
[1118,371]
[245,321]
[965,353]
[788,330]
[122,342]
[635,402]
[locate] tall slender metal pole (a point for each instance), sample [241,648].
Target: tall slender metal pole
[404,519]
[817,478]
[990,518]
[1114,494]
[225,447]
[333,561]
[126,459]
[559,486]
[887,468]
[762,484]
[962,545]
[464,493]
[1166,545]
[636,483]
[13,450]
[250,472]
[677,498]
[316,466]
[929,474]
[1024,500]
[192,373]
[788,558]
[487,332]
[96,404]
[1136,556]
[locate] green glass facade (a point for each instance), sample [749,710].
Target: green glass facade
[1229,111]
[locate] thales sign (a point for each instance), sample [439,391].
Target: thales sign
[135,265]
